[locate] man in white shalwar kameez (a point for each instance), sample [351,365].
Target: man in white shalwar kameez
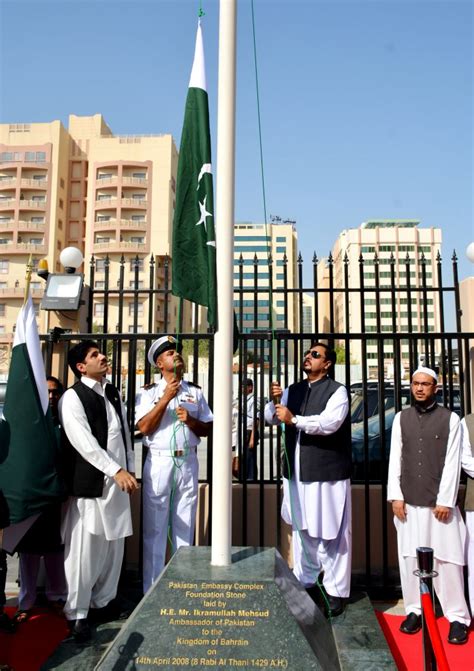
[423,483]
[98,516]
[316,469]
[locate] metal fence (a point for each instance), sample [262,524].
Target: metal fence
[265,352]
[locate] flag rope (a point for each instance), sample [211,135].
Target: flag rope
[276,366]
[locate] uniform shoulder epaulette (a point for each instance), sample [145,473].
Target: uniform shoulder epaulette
[193,384]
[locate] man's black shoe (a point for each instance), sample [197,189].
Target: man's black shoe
[412,624]
[81,631]
[457,633]
[109,613]
[334,606]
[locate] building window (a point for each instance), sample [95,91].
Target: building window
[103,196]
[6,156]
[138,196]
[98,309]
[139,175]
[103,217]
[38,199]
[141,263]
[41,156]
[100,265]
[131,309]
[99,284]
[2,309]
[139,329]
[138,217]
[104,175]
[101,239]
[133,285]
[137,240]
[42,178]
[4,241]
[37,220]
[36,241]
[2,329]
[61,204]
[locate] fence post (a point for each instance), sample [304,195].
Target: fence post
[426,574]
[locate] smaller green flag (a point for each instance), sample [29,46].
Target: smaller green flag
[29,450]
[194,239]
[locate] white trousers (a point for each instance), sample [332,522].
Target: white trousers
[169,509]
[55,579]
[448,585]
[334,557]
[92,566]
[470,556]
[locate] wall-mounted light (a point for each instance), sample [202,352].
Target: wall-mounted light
[63,290]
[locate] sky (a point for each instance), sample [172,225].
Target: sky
[366,106]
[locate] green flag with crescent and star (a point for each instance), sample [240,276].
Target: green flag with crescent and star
[194,239]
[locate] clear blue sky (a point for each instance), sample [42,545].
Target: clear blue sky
[366,107]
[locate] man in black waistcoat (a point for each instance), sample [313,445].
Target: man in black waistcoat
[316,471]
[98,516]
[423,483]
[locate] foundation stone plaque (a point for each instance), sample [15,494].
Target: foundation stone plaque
[252,614]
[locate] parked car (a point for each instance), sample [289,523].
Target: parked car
[376,469]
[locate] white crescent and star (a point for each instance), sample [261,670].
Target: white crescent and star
[206,168]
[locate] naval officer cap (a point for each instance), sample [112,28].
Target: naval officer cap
[161,345]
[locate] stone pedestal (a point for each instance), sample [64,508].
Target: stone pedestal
[251,614]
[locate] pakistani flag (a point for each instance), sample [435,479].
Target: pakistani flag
[194,239]
[29,452]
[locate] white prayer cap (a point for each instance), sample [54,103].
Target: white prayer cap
[426,371]
[161,345]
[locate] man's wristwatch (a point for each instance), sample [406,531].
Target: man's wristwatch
[294,420]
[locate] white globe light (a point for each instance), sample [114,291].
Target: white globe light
[71,257]
[470,252]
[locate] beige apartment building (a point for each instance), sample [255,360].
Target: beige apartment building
[252,241]
[380,239]
[85,187]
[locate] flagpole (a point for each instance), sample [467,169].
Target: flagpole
[222,428]
[29,270]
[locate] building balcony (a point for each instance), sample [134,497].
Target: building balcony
[133,225]
[25,225]
[7,183]
[32,204]
[23,247]
[34,183]
[106,204]
[106,181]
[135,203]
[113,224]
[125,246]
[19,292]
[7,225]
[134,181]
[7,203]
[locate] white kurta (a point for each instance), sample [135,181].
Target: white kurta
[467,463]
[317,507]
[421,527]
[170,482]
[319,512]
[108,515]
[94,528]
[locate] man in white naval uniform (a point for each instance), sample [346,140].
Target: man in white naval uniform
[467,463]
[423,483]
[172,416]
[98,515]
[316,469]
